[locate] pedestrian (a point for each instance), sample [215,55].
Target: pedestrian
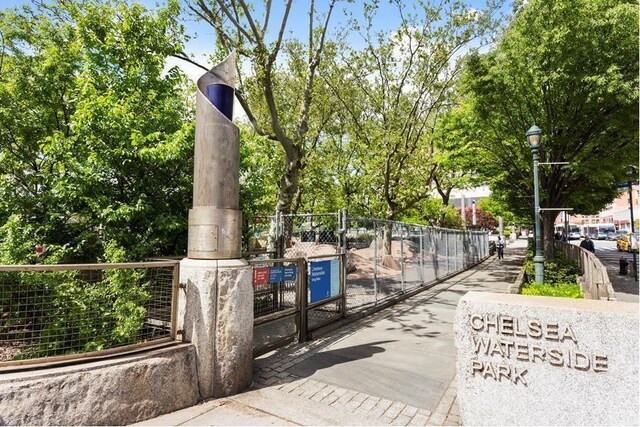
[500,246]
[587,244]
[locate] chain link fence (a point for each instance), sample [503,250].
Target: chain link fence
[61,312]
[384,259]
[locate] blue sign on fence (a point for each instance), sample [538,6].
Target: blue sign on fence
[290,273]
[324,279]
[276,274]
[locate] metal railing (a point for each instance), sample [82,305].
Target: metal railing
[56,313]
[277,299]
[594,281]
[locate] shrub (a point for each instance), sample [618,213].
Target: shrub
[560,277]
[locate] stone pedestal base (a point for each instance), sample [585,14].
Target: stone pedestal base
[217,311]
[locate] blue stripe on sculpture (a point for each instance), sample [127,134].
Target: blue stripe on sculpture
[221,96]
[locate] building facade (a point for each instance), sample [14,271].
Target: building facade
[616,212]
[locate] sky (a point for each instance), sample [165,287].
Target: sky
[202,38]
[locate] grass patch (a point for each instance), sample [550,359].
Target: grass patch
[563,290]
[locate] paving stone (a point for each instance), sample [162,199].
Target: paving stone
[340,391]
[409,411]
[369,403]
[270,381]
[453,419]
[311,390]
[386,420]
[352,406]
[424,412]
[444,404]
[326,391]
[345,398]
[455,409]
[328,400]
[436,419]
[360,397]
[289,387]
[267,375]
[394,410]
[380,408]
[401,420]
[419,420]
[307,386]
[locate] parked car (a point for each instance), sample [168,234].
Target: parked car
[575,235]
[626,243]
[601,235]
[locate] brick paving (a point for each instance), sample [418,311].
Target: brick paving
[371,407]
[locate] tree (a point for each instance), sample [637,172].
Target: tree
[484,219]
[286,120]
[396,91]
[96,140]
[456,156]
[571,68]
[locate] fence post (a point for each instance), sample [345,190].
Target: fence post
[375,261]
[343,284]
[342,222]
[421,256]
[303,286]
[401,256]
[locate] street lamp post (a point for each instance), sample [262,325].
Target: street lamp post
[631,174]
[473,212]
[534,136]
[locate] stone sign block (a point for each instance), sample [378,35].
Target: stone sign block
[528,360]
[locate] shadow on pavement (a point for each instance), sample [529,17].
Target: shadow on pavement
[329,358]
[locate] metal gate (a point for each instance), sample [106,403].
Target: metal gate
[295,296]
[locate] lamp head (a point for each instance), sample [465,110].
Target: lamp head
[533,136]
[631,172]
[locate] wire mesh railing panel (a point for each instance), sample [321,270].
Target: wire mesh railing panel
[266,334]
[52,311]
[275,287]
[319,316]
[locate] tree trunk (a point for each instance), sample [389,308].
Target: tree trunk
[388,232]
[547,218]
[286,194]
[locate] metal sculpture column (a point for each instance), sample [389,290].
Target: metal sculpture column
[218,311]
[215,220]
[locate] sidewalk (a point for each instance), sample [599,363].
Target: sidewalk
[396,367]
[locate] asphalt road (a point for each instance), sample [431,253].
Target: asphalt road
[626,287]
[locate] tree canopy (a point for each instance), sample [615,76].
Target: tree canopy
[96,133]
[96,140]
[572,69]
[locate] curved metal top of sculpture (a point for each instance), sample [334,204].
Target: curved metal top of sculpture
[215,220]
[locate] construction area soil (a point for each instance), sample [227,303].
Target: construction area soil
[360,262]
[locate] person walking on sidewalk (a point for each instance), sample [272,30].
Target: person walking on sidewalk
[500,247]
[587,244]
